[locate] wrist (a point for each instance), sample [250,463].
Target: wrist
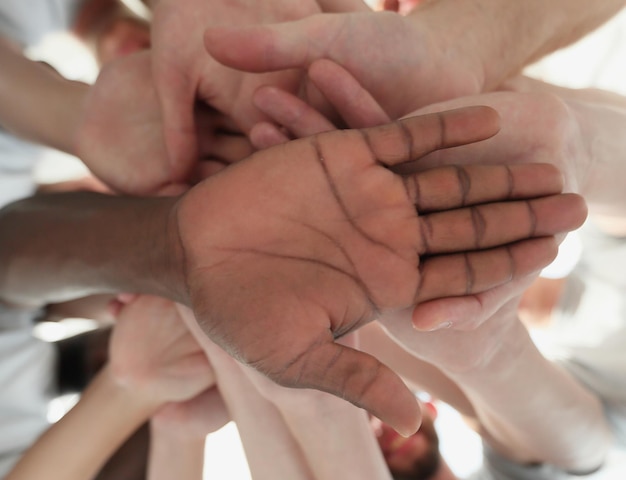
[173,261]
[137,403]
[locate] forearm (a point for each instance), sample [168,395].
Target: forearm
[174,455]
[500,37]
[257,420]
[38,104]
[335,436]
[62,246]
[533,411]
[107,414]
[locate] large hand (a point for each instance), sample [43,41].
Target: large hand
[152,350]
[535,128]
[305,242]
[184,73]
[404,66]
[121,132]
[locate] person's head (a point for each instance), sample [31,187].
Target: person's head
[111,29]
[416,457]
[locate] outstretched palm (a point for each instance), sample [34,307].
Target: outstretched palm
[310,240]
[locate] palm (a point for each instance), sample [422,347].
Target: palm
[320,237]
[121,136]
[152,350]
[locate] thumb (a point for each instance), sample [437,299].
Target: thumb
[263,48]
[360,379]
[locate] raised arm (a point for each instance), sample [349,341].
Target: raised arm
[443,49]
[528,408]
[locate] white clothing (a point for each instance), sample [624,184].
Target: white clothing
[29,21]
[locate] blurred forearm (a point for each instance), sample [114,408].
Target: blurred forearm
[62,246]
[38,104]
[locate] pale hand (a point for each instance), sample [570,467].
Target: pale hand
[120,136]
[185,74]
[153,353]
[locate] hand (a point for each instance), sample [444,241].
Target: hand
[152,352]
[535,128]
[120,137]
[402,64]
[303,243]
[184,73]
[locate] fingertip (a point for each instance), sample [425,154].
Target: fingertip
[485,118]
[265,135]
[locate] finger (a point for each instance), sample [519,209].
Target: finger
[360,379]
[459,186]
[411,138]
[287,110]
[469,273]
[264,48]
[466,312]
[265,135]
[494,224]
[353,103]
